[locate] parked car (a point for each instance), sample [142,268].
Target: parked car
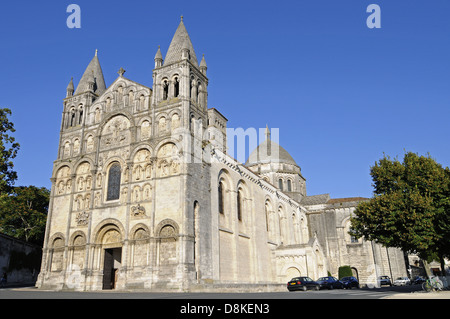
[384,281]
[402,281]
[350,282]
[418,280]
[330,283]
[302,283]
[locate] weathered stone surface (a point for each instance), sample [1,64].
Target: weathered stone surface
[135,201]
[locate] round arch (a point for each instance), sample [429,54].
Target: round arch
[107,225]
[164,223]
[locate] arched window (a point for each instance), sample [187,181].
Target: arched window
[165,90]
[280,184]
[120,94]
[347,230]
[239,205]
[289,185]
[220,194]
[80,119]
[72,117]
[176,87]
[141,102]
[130,97]
[57,257]
[113,182]
[353,239]
[192,122]
[200,88]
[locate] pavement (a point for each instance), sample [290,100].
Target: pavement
[17,285]
[421,295]
[407,294]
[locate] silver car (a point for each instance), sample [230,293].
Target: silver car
[402,281]
[384,281]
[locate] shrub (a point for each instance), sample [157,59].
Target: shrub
[345,271]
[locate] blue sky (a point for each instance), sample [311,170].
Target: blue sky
[340,93]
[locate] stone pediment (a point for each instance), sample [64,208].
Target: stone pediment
[126,83]
[123,93]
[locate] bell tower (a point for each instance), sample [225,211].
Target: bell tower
[179,81]
[91,86]
[180,106]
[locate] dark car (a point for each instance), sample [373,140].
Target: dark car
[330,283]
[302,283]
[384,280]
[418,280]
[350,282]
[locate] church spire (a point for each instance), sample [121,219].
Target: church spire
[267,133]
[93,70]
[158,58]
[203,66]
[180,42]
[70,88]
[268,141]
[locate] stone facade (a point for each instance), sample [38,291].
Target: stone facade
[330,220]
[145,196]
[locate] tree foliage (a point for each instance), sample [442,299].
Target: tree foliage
[410,207]
[8,151]
[23,213]
[23,210]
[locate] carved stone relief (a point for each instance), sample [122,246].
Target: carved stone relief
[76,147]
[137,211]
[90,144]
[111,236]
[63,181]
[168,160]
[116,133]
[82,218]
[145,130]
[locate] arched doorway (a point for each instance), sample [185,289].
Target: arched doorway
[111,250]
[291,272]
[111,266]
[355,273]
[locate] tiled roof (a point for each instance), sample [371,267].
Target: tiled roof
[179,41]
[93,69]
[346,200]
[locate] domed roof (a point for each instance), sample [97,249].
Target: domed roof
[269,152]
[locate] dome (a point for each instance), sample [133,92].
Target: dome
[269,152]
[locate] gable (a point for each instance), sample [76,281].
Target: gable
[122,94]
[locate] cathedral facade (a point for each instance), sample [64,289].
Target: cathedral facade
[145,195]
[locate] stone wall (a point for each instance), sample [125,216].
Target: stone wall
[330,220]
[20,260]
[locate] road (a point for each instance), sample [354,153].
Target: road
[31,301]
[364,293]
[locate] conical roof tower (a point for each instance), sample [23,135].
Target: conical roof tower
[94,69]
[180,41]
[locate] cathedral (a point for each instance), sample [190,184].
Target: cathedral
[145,195]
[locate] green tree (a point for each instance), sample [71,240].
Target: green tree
[23,210]
[8,151]
[23,213]
[410,207]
